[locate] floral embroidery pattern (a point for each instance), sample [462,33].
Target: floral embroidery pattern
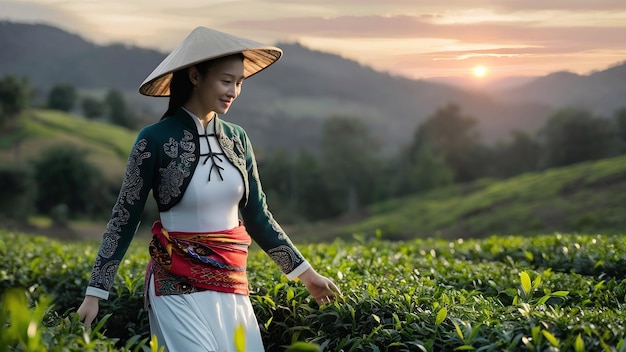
[132,184]
[171,148]
[129,192]
[172,179]
[275,226]
[255,174]
[114,227]
[107,273]
[174,174]
[104,271]
[237,142]
[228,146]
[285,257]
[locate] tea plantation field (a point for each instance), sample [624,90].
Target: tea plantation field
[553,292]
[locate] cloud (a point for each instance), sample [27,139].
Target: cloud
[398,27]
[33,12]
[409,36]
[500,5]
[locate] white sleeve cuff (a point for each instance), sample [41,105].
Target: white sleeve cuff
[93,291]
[298,270]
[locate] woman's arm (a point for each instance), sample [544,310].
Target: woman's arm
[274,241]
[121,228]
[262,226]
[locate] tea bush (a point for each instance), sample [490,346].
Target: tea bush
[546,293]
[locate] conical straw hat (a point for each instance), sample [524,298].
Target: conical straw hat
[204,44]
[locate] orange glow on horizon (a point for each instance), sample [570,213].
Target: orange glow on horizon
[479,71]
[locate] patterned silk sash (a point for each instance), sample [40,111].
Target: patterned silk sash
[184,262]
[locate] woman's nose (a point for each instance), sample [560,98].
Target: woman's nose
[232,91]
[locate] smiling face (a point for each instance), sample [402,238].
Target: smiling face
[216,90]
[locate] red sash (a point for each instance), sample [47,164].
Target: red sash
[187,262]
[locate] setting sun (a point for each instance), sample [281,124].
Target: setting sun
[479,71]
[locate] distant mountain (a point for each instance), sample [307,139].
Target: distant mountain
[602,92]
[48,55]
[283,107]
[312,85]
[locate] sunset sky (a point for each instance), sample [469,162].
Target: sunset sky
[415,38]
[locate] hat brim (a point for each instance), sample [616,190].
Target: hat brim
[206,44]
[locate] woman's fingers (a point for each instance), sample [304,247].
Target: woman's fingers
[331,293]
[334,288]
[324,300]
[88,310]
[88,320]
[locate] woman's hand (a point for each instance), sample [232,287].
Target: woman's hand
[88,310]
[320,287]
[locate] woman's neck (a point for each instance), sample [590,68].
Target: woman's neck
[203,116]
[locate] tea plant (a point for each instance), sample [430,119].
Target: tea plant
[41,329]
[544,293]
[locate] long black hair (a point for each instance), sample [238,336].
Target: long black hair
[181,87]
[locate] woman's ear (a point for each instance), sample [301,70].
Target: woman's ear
[194,75]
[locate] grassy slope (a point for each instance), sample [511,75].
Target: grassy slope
[582,198]
[586,197]
[108,145]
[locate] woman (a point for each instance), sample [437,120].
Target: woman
[203,174]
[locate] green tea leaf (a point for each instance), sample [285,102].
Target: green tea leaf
[154,345]
[525,279]
[579,344]
[458,330]
[537,282]
[543,300]
[598,286]
[240,338]
[441,316]
[268,322]
[535,334]
[529,255]
[553,341]
[302,347]
[290,294]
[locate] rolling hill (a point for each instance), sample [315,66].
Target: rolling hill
[304,89]
[588,197]
[585,197]
[36,130]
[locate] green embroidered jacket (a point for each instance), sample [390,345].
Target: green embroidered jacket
[163,159]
